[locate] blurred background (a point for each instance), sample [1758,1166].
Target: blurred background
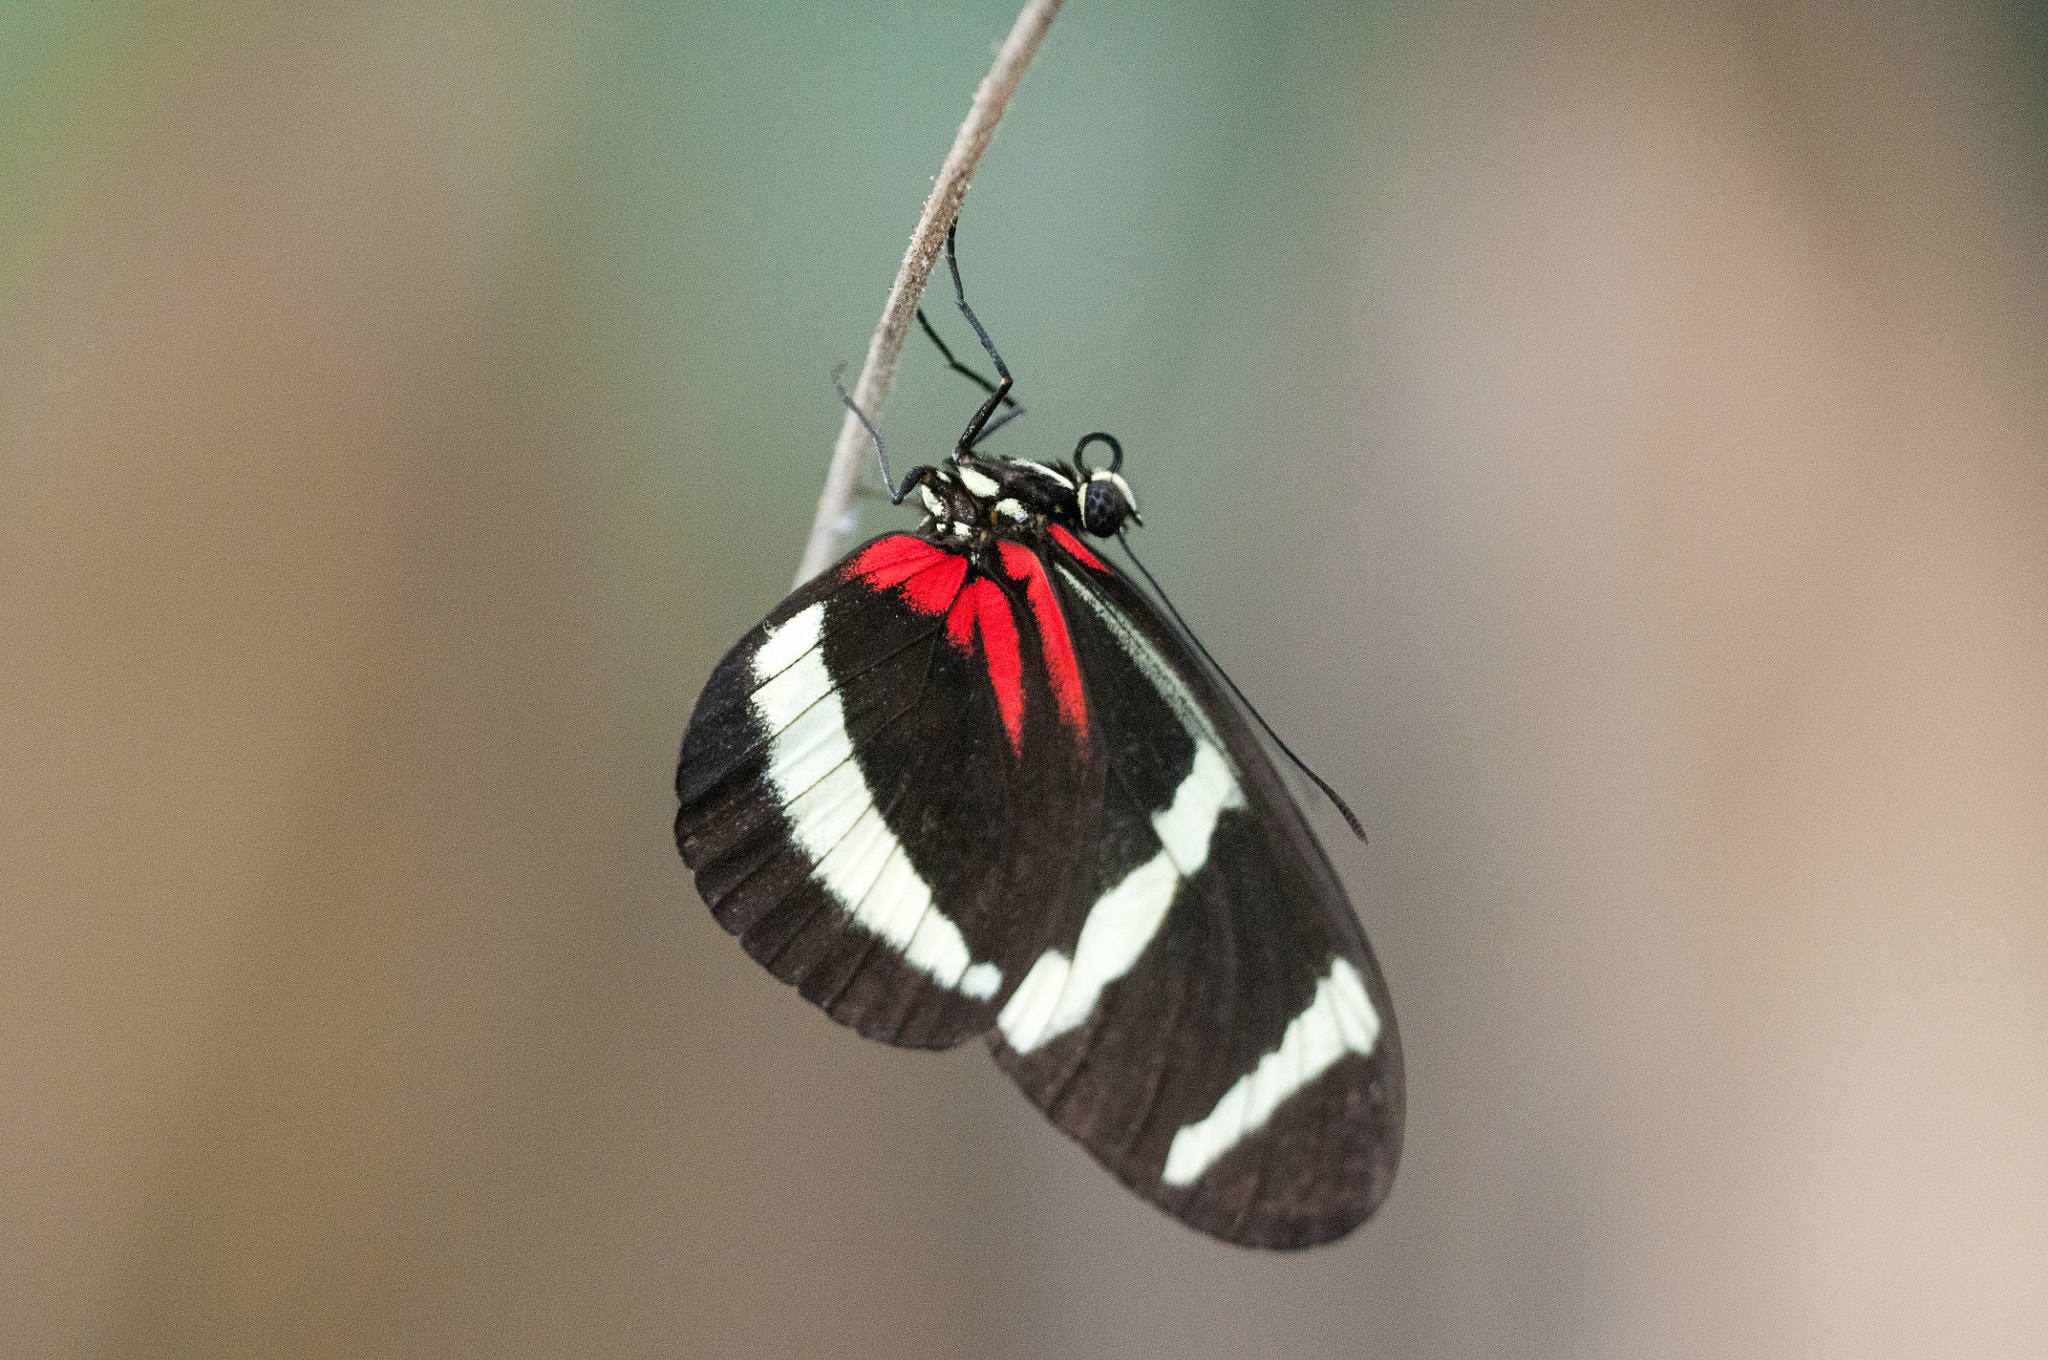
[1607,439]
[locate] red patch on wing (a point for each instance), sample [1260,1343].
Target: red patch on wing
[930,576]
[1074,546]
[983,605]
[1061,667]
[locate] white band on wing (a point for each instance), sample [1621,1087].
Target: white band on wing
[1058,993]
[1340,1020]
[832,814]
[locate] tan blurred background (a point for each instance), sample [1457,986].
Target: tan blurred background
[1607,438]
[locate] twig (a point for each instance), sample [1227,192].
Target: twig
[834,525]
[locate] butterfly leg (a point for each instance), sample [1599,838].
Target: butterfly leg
[979,425]
[911,478]
[964,371]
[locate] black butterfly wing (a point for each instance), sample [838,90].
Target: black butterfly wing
[1209,1022]
[878,796]
[939,797]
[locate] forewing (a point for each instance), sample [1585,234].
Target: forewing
[1209,1022]
[877,798]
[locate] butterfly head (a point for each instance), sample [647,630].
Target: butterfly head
[1106,502]
[1104,498]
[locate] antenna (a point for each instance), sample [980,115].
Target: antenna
[1350,818]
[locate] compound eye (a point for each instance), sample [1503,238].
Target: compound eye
[1105,504]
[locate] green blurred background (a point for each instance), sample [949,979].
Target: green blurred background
[1606,438]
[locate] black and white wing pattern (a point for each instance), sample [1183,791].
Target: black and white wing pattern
[968,784]
[875,796]
[1212,1024]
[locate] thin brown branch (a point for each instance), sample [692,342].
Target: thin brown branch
[834,525]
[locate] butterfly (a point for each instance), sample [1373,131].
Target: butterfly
[972,781]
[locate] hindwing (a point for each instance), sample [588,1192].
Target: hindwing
[1211,1024]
